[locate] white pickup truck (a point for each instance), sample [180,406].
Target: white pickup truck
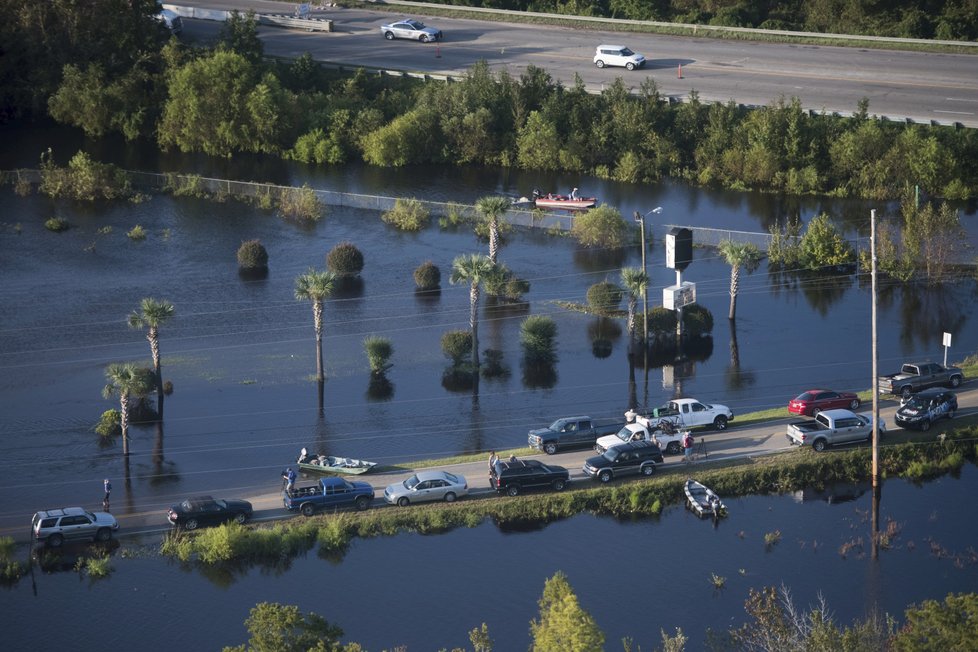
[830,427]
[643,430]
[687,413]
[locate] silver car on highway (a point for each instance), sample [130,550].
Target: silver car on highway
[412,29]
[425,486]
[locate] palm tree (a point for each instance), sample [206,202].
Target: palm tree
[151,315]
[316,286]
[492,208]
[636,282]
[127,380]
[738,255]
[472,269]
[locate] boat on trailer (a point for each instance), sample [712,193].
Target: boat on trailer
[332,464]
[703,500]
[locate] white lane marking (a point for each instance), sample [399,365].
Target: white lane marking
[955,112]
[959,99]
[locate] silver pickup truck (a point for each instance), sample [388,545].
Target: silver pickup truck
[831,427]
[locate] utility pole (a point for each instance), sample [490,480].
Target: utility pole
[875,383]
[645,293]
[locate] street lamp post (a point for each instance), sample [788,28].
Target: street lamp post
[645,292]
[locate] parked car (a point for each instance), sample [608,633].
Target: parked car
[425,486]
[171,20]
[831,427]
[511,477]
[55,526]
[571,432]
[412,29]
[624,459]
[915,376]
[617,55]
[205,510]
[923,409]
[813,401]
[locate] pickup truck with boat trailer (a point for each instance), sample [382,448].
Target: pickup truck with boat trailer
[666,437]
[687,413]
[329,493]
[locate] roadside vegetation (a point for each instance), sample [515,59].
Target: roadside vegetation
[230,100]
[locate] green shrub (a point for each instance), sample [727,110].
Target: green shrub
[501,282]
[601,227]
[379,351]
[186,185]
[407,215]
[56,224]
[661,321]
[697,320]
[96,567]
[604,297]
[537,335]
[457,345]
[427,276]
[136,233]
[252,255]
[345,260]
[455,215]
[823,246]
[83,179]
[109,425]
[300,204]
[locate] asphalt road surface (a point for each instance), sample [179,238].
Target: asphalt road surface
[148,520]
[919,86]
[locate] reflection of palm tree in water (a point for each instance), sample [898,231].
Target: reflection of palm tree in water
[737,379]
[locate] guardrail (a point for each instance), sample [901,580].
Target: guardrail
[304,21]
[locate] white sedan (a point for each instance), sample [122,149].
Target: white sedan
[410,28]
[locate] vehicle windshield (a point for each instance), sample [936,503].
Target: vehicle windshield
[411,482]
[611,454]
[624,434]
[556,425]
[416,24]
[918,402]
[625,52]
[807,396]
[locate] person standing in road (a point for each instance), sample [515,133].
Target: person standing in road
[687,448]
[493,458]
[108,490]
[290,479]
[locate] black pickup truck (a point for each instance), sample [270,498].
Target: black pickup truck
[571,432]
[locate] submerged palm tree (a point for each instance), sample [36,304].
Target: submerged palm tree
[316,286]
[492,208]
[472,269]
[636,282]
[127,380]
[151,315]
[738,255]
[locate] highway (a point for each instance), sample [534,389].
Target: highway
[142,522]
[900,85]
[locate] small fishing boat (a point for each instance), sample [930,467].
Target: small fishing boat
[332,464]
[702,500]
[564,202]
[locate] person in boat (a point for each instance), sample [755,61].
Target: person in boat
[573,194]
[536,194]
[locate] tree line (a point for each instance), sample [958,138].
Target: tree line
[230,99]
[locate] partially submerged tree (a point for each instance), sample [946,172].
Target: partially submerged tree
[128,381]
[739,255]
[151,315]
[601,227]
[492,208]
[563,625]
[472,269]
[316,286]
[636,283]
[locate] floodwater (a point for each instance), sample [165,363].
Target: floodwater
[240,352]
[636,578]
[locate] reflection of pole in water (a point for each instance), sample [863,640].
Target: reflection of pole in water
[632,389]
[321,386]
[874,575]
[877,490]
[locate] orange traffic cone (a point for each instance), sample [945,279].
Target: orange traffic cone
[680,75]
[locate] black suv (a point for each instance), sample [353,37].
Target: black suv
[633,457]
[922,409]
[514,477]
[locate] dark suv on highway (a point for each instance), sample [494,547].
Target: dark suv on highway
[624,459]
[513,477]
